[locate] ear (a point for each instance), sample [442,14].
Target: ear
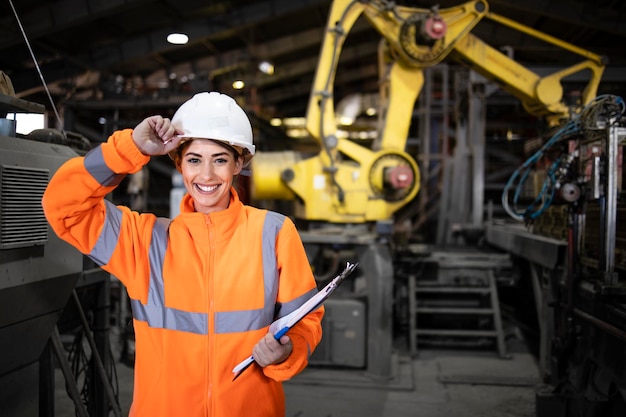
[238,165]
[177,165]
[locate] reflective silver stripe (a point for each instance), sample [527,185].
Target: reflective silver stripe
[155,313]
[271,227]
[95,165]
[286,308]
[158,317]
[242,321]
[104,247]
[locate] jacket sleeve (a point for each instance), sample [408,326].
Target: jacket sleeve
[75,207]
[296,279]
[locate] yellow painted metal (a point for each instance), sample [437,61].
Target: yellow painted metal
[342,183]
[268,168]
[395,26]
[320,118]
[541,95]
[405,85]
[360,203]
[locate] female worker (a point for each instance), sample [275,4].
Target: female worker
[204,286]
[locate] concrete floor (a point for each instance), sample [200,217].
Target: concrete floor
[453,383]
[437,383]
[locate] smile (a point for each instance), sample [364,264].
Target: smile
[206,188]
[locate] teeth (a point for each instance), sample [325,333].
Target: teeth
[206,188]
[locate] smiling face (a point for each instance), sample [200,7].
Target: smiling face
[208,169]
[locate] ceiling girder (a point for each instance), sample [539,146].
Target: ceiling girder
[571,11]
[58,15]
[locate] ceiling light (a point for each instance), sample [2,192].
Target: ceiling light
[238,84]
[177,38]
[346,120]
[266,67]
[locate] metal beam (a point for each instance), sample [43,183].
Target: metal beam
[578,13]
[60,15]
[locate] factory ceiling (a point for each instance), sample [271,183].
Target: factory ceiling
[112,55]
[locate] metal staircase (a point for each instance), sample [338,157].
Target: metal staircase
[458,307]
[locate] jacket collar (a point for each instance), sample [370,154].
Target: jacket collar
[186,205]
[225,221]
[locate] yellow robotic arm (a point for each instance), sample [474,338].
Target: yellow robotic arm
[541,96]
[349,183]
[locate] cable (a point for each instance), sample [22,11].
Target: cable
[45,86]
[524,171]
[602,108]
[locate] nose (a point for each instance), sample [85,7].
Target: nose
[206,171]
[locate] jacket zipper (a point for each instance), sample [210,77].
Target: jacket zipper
[211,324]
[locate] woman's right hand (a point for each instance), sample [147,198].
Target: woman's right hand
[156,135]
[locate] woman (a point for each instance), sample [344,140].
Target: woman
[205,286]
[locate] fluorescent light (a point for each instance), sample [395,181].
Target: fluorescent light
[177,38]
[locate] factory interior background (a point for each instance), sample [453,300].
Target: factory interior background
[471,156]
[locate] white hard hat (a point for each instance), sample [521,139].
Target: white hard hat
[217,117]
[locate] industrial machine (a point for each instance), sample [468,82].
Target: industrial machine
[347,194]
[347,183]
[575,261]
[38,270]
[47,288]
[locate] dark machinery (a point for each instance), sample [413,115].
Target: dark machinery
[44,282]
[578,273]
[38,270]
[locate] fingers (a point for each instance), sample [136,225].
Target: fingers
[269,351]
[162,127]
[156,135]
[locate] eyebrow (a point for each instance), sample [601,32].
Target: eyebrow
[212,155]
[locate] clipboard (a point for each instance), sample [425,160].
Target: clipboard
[283,324]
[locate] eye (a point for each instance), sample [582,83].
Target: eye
[193,160]
[221,161]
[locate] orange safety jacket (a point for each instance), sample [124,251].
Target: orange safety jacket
[204,288]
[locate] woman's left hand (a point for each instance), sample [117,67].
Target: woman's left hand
[269,351]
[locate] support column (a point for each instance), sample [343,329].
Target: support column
[376,263]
